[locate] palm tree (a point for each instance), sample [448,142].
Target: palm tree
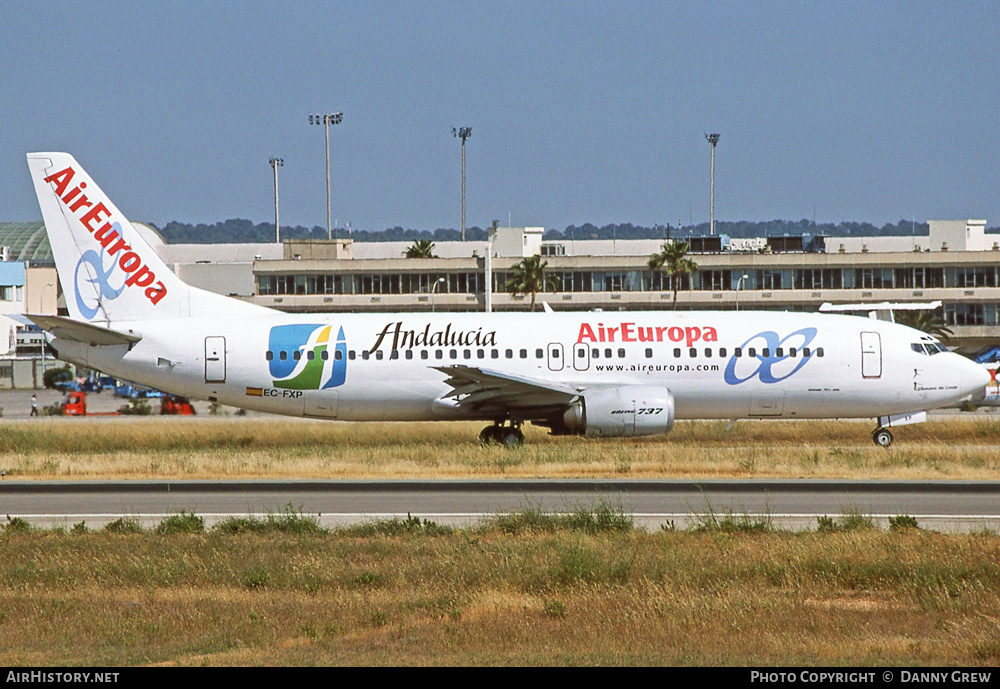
[926,321]
[529,278]
[421,248]
[673,259]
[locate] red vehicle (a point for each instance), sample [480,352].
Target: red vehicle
[173,404]
[75,404]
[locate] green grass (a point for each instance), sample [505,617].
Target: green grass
[290,521]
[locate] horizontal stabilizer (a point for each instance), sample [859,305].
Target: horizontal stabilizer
[94,335]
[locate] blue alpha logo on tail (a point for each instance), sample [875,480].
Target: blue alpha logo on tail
[302,357]
[99,276]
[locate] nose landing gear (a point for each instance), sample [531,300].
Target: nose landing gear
[505,436]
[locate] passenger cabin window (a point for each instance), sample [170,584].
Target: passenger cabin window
[378,355]
[283,355]
[621,353]
[269,355]
[539,353]
[649,353]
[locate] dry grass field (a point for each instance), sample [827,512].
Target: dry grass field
[276,448]
[525,589]
[519,591]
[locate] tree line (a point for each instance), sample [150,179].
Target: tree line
[240,230]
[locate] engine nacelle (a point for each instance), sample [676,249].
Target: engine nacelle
[621,412]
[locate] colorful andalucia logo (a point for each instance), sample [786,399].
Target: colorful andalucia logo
[302,358]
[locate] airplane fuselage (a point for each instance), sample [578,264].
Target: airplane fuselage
[387,366]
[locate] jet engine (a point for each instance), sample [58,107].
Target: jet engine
[619,412]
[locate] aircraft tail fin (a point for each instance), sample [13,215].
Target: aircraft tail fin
[108,272]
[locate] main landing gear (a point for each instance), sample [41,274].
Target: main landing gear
[882,437]
[505,436]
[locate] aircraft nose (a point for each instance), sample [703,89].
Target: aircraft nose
[974,377]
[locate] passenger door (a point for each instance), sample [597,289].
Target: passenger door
[871,355]
[215,359]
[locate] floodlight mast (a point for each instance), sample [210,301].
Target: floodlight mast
[712,139]
[275,164]
[462,133]
[326,120]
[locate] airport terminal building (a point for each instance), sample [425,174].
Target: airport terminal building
[957,264]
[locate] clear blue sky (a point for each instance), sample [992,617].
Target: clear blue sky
[581,111]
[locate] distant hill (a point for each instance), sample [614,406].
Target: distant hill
[244,231]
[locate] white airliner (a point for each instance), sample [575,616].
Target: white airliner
[593,374]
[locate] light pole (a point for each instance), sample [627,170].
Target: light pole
[462,133]
[437,282]
[739,283]
[491,235]
[275,164]
[712,139]
[326,120]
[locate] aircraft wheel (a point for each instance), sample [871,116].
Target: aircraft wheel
[491,435]
[512,437]
[882,437]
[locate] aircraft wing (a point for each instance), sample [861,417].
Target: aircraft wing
[482,390]
[68,329]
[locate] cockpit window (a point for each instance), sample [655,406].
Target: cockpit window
[928,348]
